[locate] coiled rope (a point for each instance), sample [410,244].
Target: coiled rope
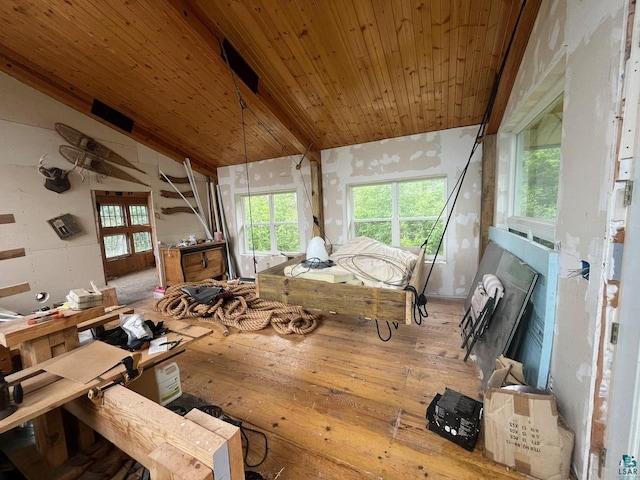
[244,311]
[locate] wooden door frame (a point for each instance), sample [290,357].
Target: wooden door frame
[137,198]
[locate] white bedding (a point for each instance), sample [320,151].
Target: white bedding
[373,263]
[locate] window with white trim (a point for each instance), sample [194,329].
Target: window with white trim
[270,222]
[536,171]
[400,213]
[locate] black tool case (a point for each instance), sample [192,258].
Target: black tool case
[455,417]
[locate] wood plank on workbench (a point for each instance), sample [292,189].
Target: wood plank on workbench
[109,316]
[19,331]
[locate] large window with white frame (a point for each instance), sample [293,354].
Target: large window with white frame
[270,222]
[536,170]
[399,213]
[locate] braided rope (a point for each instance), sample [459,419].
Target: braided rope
[244,311]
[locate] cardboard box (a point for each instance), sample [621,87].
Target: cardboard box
[160,384]
[524,431]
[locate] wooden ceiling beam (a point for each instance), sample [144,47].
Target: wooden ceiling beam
[197,22]
[23,70]
[512,65]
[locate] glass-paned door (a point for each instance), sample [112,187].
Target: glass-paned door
[126,235]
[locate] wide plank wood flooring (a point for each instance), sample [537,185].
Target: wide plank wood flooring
[340,403]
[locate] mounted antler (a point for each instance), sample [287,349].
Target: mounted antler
[55,179]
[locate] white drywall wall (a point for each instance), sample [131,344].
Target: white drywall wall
[27,119]
[585,38]
[424,155]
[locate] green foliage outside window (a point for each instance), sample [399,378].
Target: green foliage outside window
[422,198]
[418,204]
[380,231]
[537,165]
[538,188]
[372,201]
[272,216]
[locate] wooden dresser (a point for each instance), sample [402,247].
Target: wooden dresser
[193,263]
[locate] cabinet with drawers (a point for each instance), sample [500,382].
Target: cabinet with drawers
[193,263]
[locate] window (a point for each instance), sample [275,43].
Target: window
[115,246]
[139,214]
[400,213]
[111,216]
[271,222]
[536,173]
[124,226]
[141,242]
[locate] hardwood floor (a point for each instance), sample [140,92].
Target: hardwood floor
[340,403]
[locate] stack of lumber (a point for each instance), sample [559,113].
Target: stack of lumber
[102,461]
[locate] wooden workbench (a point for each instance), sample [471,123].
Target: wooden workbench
[175,452]
[48,342]
[46,391]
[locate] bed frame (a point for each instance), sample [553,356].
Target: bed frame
[370,303]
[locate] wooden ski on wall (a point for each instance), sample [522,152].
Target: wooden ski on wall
[80,140]
[171,179]
[84,159]
[172,210]
[169,194]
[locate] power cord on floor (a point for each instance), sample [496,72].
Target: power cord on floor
[217,412]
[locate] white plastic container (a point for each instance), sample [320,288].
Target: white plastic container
[168,380]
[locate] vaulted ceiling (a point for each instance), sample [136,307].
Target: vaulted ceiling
[329,72]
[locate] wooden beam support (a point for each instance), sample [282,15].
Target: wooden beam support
[139,426]
[25,71]
[224,430]
[196,21]
[170,463]
[512,65]
[487,201]
[316,199]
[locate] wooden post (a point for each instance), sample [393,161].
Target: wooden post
[487,201]
[316,199]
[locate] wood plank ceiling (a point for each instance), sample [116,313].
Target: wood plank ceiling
[331,73]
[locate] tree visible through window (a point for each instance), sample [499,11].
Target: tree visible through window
[271,222]
[538,165]
[400,213]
